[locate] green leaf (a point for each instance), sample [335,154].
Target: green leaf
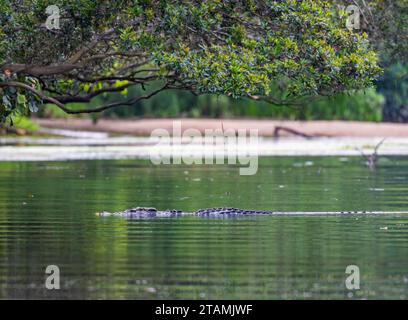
[21,99]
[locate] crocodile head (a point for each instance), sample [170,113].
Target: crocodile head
[138,212]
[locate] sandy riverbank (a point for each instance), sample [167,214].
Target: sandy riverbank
[143,127]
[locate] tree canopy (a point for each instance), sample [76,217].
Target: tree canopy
[277,51]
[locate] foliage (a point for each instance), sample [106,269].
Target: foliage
[25,123]
[386,23]
[277,51]
[394,86]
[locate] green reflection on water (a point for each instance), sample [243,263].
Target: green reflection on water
[47,217]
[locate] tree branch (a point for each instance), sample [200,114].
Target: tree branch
[37,71]
[113,105]
[33,90]
[69,99]
[77,56]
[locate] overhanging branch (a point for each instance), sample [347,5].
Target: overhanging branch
[114,104]
[87,98]
[40,94]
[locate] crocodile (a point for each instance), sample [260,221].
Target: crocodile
[142,212]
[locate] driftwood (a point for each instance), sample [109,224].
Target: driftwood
[372,159]
[292,131]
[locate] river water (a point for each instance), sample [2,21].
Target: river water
[47,217]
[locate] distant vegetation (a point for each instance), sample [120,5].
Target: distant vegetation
[363,105]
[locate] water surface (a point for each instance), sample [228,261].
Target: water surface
[47,217]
